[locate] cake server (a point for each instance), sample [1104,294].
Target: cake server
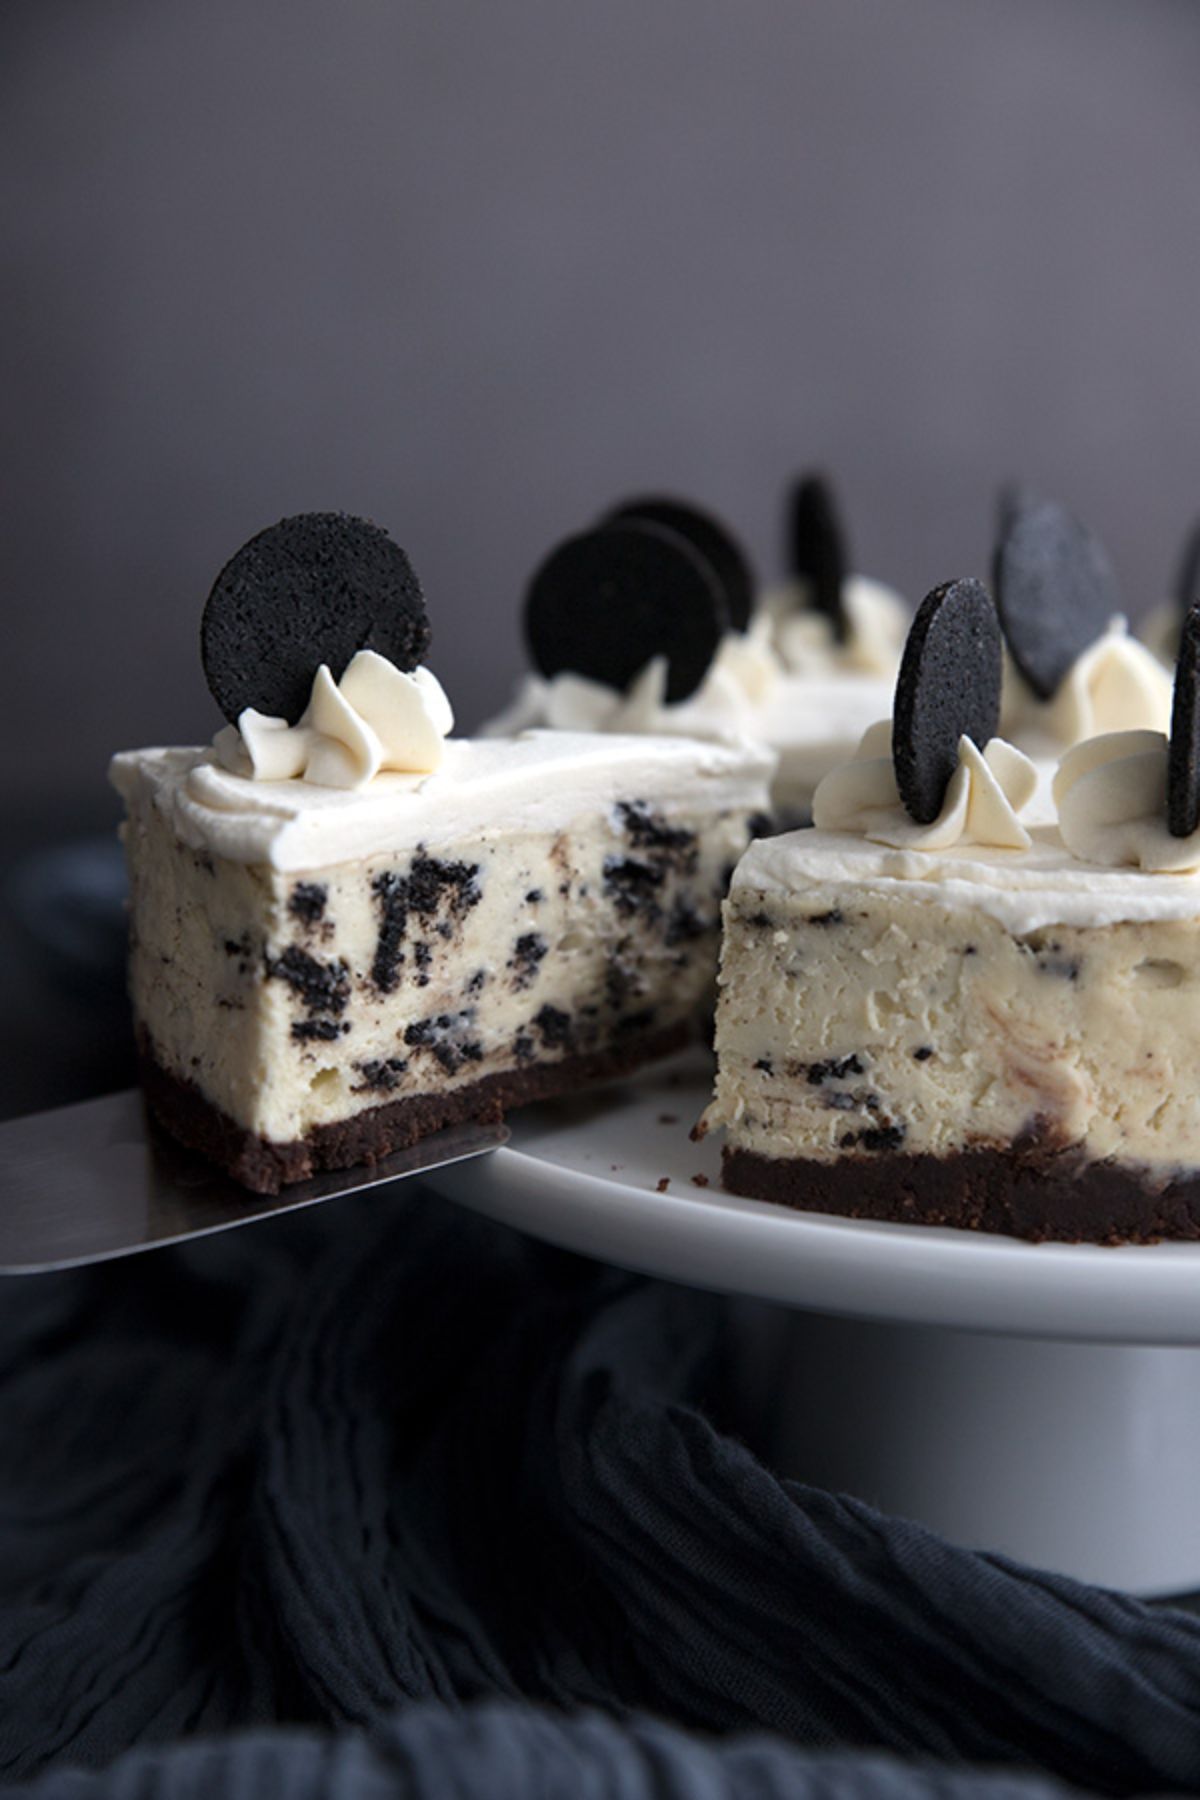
[88,1182]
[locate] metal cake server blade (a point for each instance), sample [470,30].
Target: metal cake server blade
[88,1182]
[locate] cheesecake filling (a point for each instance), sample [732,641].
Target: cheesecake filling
[875,1000]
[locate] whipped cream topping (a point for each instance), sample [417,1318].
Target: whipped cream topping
[743,677]
[1111,794]
[1046,885]
[876,625]
[539,781]
[984,796]
[1117,684]
[376,717]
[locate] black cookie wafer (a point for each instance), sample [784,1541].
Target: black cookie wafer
[948,688]
[816,547]
[312,589]
[606,601]
[1055,590]
[1183,762]
[710,537]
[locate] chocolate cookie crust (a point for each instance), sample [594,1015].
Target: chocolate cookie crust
[1044,1197]
[369,1136]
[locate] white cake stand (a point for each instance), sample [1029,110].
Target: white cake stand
[1040,1400]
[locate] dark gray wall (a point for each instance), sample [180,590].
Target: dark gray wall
[477,269]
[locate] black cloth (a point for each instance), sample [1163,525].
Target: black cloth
[383,1500]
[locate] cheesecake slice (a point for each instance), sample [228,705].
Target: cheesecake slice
[321,974]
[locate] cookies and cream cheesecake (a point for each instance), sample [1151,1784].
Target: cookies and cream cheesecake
[805,668]
[349,928]
[932,1011]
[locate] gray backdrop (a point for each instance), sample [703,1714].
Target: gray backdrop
[477,269]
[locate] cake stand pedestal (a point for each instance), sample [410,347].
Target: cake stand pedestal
[1038,1400]
[1083,1458]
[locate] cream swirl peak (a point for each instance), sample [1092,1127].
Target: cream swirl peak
[376,717]
[986,792]
[1111,794]
[1115,685]
[742,677]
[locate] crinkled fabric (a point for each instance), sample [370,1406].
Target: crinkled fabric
[385,1500]
[511,1752]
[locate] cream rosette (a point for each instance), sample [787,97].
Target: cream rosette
[1111,795]
[985,794]
[376,717]
[744,674]
[1117,684]
[877,622]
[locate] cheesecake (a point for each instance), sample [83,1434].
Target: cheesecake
[965,1018]
[350,928]
[975,1038]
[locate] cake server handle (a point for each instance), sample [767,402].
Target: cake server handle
[96,1180]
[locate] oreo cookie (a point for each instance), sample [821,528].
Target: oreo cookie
[607,601]
[1187,576]
[948,688]
[816,548]
[1183,761]
[1055,590]
[710,539]
[313,589]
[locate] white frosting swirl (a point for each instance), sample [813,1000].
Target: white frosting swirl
[986,792]
[539,782]
[376,717]
[876,625]
[1115,685]
[744,674]
[1111,794]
